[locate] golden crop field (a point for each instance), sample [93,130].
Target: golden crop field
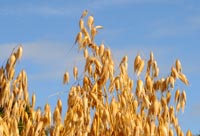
[120,106]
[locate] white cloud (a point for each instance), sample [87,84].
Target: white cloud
[38,10]
[71,8]
[125,2]
[170,27]
[45,10]
[51,58]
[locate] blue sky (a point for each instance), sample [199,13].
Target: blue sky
[47,28]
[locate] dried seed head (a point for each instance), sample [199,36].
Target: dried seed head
[47,108]
[156,106]
[189,133]
[131,83]
[56,116]
[147,129]
[155,69]
[178,130]
[11,74]
[85,53]
[85,32]
[183,78]
[171,82]
[75,72]
[156,72]
[163,130]
[168,97]
[140,67]
[178,66]
[85,104]
[135,105]
[85,12]
[12,60]
[79,38]
[101,50]
[151,56]
[38,128]
[19,52]
[140,85]
[137,62]
[90,70]
[178,106]
[183,96]
[163,101]
[99,27]
[86,81]
[66,78]
[59,104]
[174,72]
[125,59]
[147,102]
[149,83]
[93,33]
[81,24]
[183,105]
[117,84]
[33,100]
[152,128]
[96,50]
[90,22]
[146,114]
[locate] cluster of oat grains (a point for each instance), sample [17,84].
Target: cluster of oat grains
[119,108]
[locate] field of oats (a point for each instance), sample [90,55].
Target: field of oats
[104,100]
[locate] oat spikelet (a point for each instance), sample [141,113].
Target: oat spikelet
[90,22]
[19,52]
[183,78]
[85,12]
[174,72]
[12,60]
[85,53]
[79,38]
[177,95]
[39,128]
[75,72]
[171,133]
[59,104]
[183,95]
[66,78]
[178,66]
[140,67]
[101,50]
[81,24]
[189,133]
[136,63]
[33,100]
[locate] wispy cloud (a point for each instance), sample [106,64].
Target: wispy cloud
[65,9]
[50,58]
[38,10]
[170,27]
[125,2]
